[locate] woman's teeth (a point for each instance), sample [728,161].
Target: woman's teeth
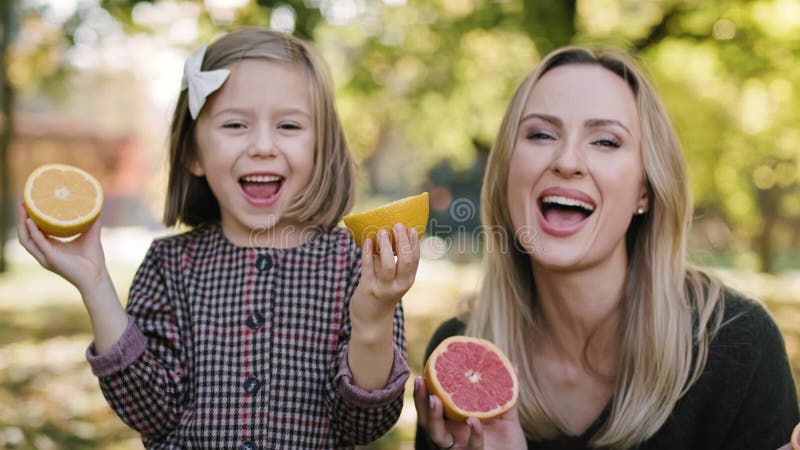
[566,201]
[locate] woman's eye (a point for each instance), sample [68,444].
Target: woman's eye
[539,135]
[611,143]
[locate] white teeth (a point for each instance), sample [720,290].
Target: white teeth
[566,201]
[261,179]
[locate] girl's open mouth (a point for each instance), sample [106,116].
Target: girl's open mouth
[261,189]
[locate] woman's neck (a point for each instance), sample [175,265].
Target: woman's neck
[582,310]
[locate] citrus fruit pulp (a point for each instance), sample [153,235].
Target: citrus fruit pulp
[796,437]
[472,377]
[62,200]
[412,212]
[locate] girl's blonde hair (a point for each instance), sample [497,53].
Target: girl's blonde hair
[669,309]
[328,197]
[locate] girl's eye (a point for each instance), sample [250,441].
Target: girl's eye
[289,126]
[234,125]
[607,142]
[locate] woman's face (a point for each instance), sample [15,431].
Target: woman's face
[575,178]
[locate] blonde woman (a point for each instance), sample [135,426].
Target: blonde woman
[619,343]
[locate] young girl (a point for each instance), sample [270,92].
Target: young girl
[259,327]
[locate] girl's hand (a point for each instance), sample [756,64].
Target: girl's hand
[79,261]
[501,433]
[384,281]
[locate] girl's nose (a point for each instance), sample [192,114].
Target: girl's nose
[569,161]
[263,144]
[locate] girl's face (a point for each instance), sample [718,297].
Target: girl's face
[255,146]
[576,177]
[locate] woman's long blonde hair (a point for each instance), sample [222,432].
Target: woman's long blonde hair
[670,310]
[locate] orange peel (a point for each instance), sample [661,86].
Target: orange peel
[412,212]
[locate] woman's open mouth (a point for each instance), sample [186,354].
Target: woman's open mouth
[562,215]
[261,190]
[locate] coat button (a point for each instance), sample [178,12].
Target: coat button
[263,262]
[252,385]
[255,320]
[247,445]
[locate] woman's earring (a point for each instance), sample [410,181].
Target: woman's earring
[640,211]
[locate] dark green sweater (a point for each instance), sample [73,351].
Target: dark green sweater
[744,399]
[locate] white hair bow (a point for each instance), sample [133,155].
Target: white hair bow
[200,84]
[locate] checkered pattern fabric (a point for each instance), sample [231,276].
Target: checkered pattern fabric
[246,348]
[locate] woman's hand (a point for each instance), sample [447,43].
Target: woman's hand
[79,261]
[501,433]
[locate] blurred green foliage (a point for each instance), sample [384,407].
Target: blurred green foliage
[419,81]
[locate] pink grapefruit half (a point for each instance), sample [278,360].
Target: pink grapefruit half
[472,377]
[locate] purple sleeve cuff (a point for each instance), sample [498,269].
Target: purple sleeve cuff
[130,346]
[356,396]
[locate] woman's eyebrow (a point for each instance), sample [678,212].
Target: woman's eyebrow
[591,123]
[546,117]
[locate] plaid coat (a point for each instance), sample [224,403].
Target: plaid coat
[235,347]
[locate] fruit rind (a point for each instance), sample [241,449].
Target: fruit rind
[53,226]
[451,411]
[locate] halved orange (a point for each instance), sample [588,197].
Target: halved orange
[472,377]
[410,211]
[62,200]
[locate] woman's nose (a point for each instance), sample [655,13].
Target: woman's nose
[569,160]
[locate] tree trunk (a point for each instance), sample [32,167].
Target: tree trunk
[6,127]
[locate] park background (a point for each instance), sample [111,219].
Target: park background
[421,87]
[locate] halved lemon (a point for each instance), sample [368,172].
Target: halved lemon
[62,200]
[410,211]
